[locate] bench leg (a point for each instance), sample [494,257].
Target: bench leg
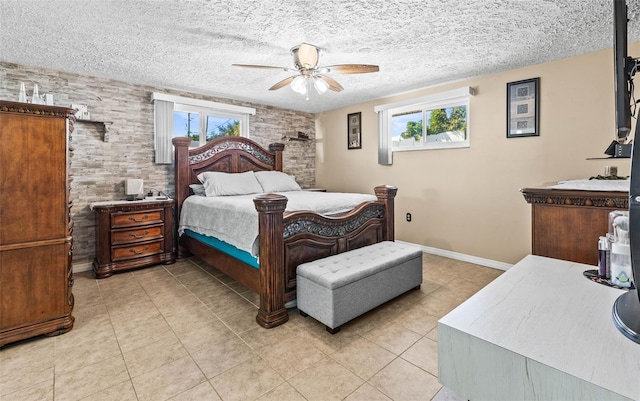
[302,313]
[332,331]
[417,287]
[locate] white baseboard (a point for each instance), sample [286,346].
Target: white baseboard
[81,267]
[463,257]
[86,266]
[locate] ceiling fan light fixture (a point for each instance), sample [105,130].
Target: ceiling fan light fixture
[306,59]
[305,56]
[320,84]
[299,84]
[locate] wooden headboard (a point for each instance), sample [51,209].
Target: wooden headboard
[227,154]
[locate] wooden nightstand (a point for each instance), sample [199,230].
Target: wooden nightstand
[132,234]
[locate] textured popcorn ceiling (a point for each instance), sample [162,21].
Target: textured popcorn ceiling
[191,44]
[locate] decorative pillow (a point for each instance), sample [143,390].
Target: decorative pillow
[198,189]
[276,181]
[222,184]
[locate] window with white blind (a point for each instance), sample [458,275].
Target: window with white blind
[438,121]
[202,121]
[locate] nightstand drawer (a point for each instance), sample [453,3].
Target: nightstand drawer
[129,219]
[135,251]
[120,237]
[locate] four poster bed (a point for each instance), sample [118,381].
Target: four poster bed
[285,239]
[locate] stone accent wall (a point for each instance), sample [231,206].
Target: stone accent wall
[99,168]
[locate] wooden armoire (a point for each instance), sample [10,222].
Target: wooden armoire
[35,226]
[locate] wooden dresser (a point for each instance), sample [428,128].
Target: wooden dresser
[133,234]
[566,224]
[35,227]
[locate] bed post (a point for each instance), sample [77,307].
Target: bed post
[182,178]
[277,148]
[270,209]
[386,194]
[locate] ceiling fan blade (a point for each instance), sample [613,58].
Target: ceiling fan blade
[283,83]
[267,67]
[352,68]
[333,84]
[307,55]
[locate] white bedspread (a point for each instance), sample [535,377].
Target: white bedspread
[234,219]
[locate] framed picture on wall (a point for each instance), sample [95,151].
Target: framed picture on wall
[354,133]
[523,108]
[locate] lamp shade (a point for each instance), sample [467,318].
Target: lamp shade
[320,84]
[133,187]
[299,84]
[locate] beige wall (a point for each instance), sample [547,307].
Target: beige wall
[468,200]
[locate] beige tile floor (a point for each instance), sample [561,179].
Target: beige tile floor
[187,332]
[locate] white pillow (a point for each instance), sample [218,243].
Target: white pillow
[276,181]
[222,184]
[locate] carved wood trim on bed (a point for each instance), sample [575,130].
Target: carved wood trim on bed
[285,239]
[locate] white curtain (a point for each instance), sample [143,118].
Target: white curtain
[163,131]
[385,156]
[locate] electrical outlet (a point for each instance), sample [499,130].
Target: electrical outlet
[408,216]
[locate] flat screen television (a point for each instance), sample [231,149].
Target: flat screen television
[621,70]
[626,309]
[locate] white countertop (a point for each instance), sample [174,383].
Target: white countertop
[594,185]
[546,311]
[120,202]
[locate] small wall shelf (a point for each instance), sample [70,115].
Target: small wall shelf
[293,138]
[106,126]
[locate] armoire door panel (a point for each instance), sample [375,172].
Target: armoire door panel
[30,192]
[35,290]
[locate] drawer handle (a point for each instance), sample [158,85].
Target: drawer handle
[132,250]
[146,216]
[134,235]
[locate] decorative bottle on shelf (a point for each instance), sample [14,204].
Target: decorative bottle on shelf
[22,97]
[35,96]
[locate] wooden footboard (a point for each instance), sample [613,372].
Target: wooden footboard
[287,240]
[309,236]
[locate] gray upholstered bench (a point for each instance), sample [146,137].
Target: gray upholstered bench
[342,287]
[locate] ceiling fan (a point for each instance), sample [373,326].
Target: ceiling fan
[306,58]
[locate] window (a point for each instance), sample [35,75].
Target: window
[438,121]
[202,124]
[201,120]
